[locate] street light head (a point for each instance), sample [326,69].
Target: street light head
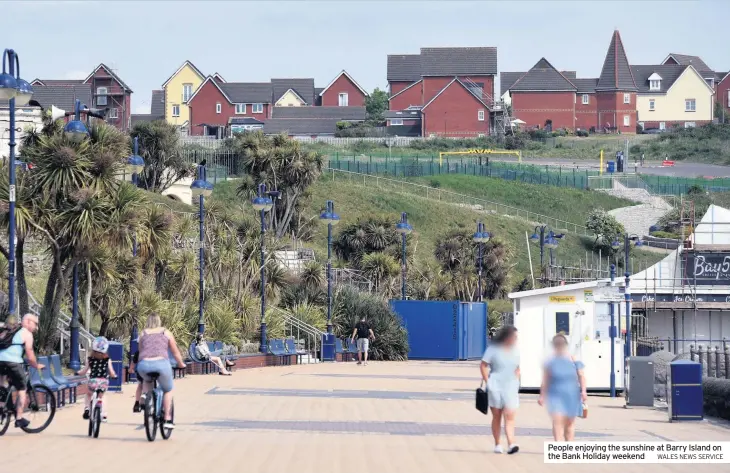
[24,93]
[329,218]
[76,131]
[638,242]
[200,187]
[135,164]
[481,237]
[404,228]
[615,244]
[535,238]
[262,203]
[8,86]
[551,243]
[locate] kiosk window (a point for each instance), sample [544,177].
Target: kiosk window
[562,322]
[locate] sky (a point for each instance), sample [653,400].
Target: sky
[253,41]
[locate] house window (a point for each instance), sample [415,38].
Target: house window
[689,124]
[101,95]
[257,108]
[176,110]
[113,113]
[396,121]
[655,85]
[586,99]
[627,98]
[218,108]
[240,108]
[690,105]
[481,135]
[728,100]
[343,99]
[627,120]
[651,105]
[662,126]
[187,92]
[480,115]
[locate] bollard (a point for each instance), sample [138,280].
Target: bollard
[718,362]
[711,362]
[692,353]
[703,359]
[727,361]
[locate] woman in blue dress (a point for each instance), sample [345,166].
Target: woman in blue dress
[501,371]
[563,389]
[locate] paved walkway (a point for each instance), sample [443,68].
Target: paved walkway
[385,417]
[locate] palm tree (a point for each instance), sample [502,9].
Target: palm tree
[379,268]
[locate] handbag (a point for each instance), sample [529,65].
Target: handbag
[482,400]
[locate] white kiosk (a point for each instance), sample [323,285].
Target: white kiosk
[582,312]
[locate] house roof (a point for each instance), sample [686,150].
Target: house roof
[585,86]
[308,113]
[458,82]
[669,74]
[688,60]
[413,114]
[404,67]
[543,77]
[304,88]
[186,63]
[144,117]
[570,75]
[244,121]
[354,82]
[112,74]
[57,81]
[720,76]
[616,73]
[506,79]
[157,103]
[297,126]
[62,96]
[219,77]
[247,92]
[413,84]
[458,61]
[554,289]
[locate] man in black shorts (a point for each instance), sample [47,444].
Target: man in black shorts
[364,335]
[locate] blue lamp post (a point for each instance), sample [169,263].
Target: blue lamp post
[76,131]
[404,228]
[550,241]
[481,236]
[612,335]
[135,165]
[262,204]
[627,294]
[330,218]
[18,93]
[201,189]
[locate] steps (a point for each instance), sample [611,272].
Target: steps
[637,219]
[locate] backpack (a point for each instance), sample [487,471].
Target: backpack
[7,332]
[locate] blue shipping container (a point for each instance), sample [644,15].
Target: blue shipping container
[444,330]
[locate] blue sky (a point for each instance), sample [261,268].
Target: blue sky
[247,41]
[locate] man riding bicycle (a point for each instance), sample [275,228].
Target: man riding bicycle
[11,359]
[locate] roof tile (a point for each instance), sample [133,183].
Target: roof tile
[458,61]
[616,73]
[248,92]
[303,87]
[542,77]
[404,67]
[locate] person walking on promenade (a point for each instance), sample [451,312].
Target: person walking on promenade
[563,389]
[364,334]
[501,371]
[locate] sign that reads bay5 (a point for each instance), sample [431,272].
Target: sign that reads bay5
[709,269]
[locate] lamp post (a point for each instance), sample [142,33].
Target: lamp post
[550,241]
[481,236]
[612,335]
[17,92]
[404,228]
[135,165]
[262,204]
[627,293]
[201,189]
[330,218]
[76,131]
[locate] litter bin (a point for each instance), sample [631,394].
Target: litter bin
[328,347]
[684,391]
[611,167]
[116,355]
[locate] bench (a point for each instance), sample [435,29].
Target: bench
[205,366]
[37,379]
[56,372]
[291,348]
[352,348]
[277,348]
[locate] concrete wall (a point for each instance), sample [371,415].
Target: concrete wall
[25,118]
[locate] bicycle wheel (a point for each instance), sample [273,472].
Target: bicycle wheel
[167,433]
[96,421]
[40,409]
[4,420]
[150,416]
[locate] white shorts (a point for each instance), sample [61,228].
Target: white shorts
[363,344]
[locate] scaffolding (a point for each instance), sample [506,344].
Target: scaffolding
[500,119]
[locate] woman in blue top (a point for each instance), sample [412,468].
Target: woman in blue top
[501,370]
[564,389]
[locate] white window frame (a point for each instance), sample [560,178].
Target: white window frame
[627,120]
[690,124]
[662,125]
[655,85]
[728,99]
[481,135]
[480,115]
[240,109]
[586,99]
[257,108]
[343,99]
[690,105]
[176,114]
[113,113]
[627,98]
[652,105]
[218,108]
[187,96]
[101,95]
[396,121]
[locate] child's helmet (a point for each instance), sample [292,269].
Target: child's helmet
[100,344]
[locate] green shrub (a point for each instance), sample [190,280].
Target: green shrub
[716,393]
[663,234]
[435,183]
[582,133]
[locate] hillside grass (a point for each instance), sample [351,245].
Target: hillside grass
[567,204]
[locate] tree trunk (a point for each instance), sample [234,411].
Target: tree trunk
[104,325]
[47,322]
[20,277]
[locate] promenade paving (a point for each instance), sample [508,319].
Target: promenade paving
[385,417]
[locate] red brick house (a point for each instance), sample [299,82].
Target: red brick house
[343,91]
[722,94]
[108,92]
[616,90]
[452,87]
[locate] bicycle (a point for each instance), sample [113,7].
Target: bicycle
[154,413]
[40,400]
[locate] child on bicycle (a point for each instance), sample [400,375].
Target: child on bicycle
[100,369]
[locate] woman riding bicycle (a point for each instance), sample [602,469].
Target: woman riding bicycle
[155,345]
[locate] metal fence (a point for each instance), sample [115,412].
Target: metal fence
[713,355]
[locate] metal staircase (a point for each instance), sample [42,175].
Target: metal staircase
[307,338]
[64,325]
[500,119]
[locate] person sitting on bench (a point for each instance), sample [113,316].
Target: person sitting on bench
[204,354]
